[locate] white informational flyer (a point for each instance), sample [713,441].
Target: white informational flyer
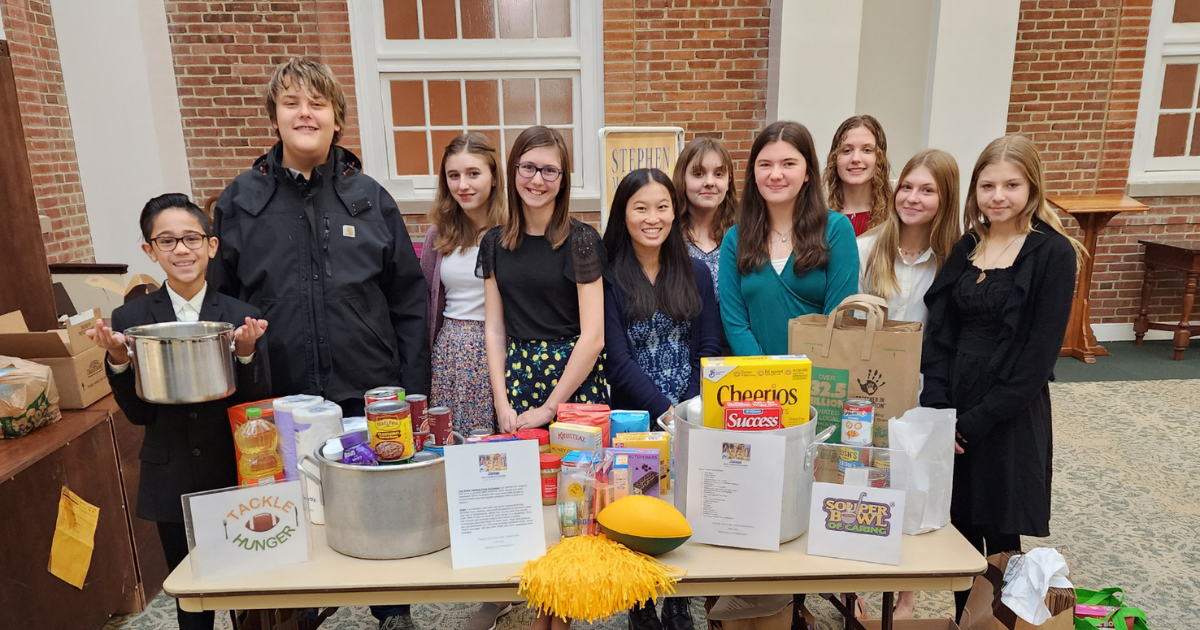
[247,529]
[735,488]
[494,494]
[856,522]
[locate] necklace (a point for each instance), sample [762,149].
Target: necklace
[983,273]
[783,236]
[907,254]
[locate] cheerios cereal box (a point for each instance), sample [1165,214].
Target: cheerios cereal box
[786,379]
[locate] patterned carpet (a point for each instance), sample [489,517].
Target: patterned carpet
[1124,513]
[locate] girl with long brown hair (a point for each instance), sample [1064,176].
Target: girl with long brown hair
[998,311]
[707,197]
[857,172]
[788,255]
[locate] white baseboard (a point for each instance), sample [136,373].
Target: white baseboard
[1124,332]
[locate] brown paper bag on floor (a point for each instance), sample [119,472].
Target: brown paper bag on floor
[874,358]
[985,611]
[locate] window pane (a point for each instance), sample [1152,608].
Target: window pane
[494,136]
[445,104]
[1179,86]
[1195,137]
[556,101]
[408,104]
[440,20]
[566,134]
[516,19]
[553,18]
[483,104]
[1186,11]
[510,135]
[1172,135]
[411,153]
[441,139]
[519,107]
[478,19]
[400,19]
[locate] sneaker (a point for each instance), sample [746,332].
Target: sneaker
[485,618]
[642,617]
[398,622]
[677,614]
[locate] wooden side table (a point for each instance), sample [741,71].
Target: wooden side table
[1093,212]
[1180,255]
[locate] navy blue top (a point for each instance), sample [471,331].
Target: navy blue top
[631,387]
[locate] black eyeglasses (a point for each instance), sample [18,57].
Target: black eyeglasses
[169,243]
[549,173]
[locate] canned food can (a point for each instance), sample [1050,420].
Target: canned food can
[390,427]
[858,418]
[440,425]
[568,519]
[425,456]
[418,407]
[380,394]
[422,440]
[883,461]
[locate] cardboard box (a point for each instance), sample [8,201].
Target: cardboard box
[785,379]
[656,440]
[912,624]
[77,363]
[566,437]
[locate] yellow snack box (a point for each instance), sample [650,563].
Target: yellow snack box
[783,378]
[565,438]
[655,440]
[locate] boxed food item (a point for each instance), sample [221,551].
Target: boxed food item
[656,440]
[28,397]
[623,421]
[77,362]
[786,379]
[635,471]
[566,437]
[753,415]
[588,415]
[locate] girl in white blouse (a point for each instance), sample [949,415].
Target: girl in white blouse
[900,256]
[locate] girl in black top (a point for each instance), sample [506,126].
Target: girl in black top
[544,299]
[998,310]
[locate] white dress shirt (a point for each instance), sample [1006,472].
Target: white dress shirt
[907,304]
[185,311]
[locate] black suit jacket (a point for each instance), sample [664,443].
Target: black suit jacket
[188,448]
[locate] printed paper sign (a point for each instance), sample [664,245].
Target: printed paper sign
[856,522]
[494,496]
[735,488]
[245,529]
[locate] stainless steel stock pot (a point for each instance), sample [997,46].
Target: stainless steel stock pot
[182,362]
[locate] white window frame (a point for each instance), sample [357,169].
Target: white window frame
[1149,175]
[378,60]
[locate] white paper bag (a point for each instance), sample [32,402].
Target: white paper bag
[927,435]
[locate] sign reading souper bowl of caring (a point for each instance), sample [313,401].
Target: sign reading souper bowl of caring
[246,529]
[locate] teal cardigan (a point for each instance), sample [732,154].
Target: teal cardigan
[757,307]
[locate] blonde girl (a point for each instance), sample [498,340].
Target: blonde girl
[857,172]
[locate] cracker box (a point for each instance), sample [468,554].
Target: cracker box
[753,415]
[786,379]
[656,440]
[565,437]
[635,471]
[623,421]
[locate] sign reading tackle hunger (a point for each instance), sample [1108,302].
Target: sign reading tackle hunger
[626,149]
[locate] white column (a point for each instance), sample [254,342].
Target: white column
[119,77]
[812,71]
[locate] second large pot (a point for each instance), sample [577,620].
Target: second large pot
[177,363]
[382,512]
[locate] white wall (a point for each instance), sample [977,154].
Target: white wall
[120,83]
[2,35]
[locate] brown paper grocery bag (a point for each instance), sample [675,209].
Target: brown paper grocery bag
[985,611]
[873,358]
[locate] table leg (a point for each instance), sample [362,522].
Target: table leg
[847,609]
[888,609]
[851,606]
[1080,340]
[1184,334]
[1142,323]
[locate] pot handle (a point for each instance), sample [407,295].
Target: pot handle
[304,471]
[668,427]
[811,451]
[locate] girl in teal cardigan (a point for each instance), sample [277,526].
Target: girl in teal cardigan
[788,255]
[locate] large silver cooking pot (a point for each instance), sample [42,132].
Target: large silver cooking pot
[797,463]
[182,362]
[382,512]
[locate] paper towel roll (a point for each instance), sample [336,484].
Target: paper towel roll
[313,426]
[283,422]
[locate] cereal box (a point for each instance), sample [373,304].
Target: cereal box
[565,438]
[635,471]
[656,440]
[786,379]
[753,415]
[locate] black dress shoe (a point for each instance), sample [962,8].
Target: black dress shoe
[644,617]
[676,614]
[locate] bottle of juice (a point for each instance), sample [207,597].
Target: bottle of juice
[258,441]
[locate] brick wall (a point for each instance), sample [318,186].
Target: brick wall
[1076,82]
[33,48]
[698,64]
[224,53]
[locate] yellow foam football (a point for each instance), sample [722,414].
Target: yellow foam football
[646,524]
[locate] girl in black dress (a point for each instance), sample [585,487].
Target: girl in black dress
[998,311]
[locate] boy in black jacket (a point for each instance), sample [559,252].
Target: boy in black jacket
[187,448]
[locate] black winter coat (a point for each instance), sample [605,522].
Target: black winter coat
[187,448]
[331,265]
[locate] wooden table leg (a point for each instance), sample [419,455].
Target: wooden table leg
[1142,323]
[1080,341]
[1184,334]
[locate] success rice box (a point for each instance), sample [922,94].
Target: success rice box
[655,440]
[786,379]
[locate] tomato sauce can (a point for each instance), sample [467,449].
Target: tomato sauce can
[417,406]
[440,425]
[389,425]
[380,394]
[858,419]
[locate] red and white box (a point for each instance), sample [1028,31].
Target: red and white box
[753,415]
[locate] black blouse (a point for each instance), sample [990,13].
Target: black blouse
[538,283]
